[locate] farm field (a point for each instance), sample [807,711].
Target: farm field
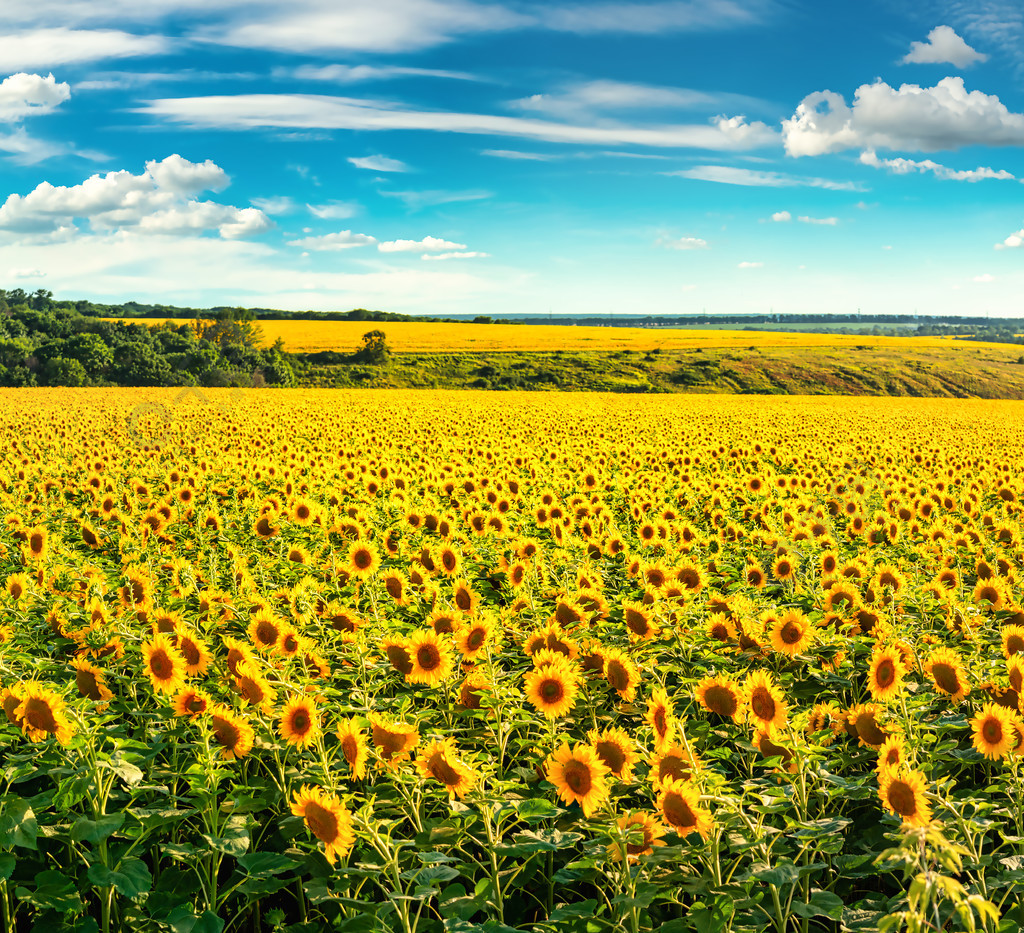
[388,660]
[443,337]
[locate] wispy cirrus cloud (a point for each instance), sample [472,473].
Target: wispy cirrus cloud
[755,178]
[59,45]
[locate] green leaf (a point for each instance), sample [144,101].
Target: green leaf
[18,826]
[132,877]
[7,863]
[783,873]
[95,831]
[821,904]
[235,840]
[265,864]
[536,808]
[573,911]
[53,891]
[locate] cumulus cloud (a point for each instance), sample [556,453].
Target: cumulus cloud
[456,255]
[749,265]
[782,217]
[159,201]
[683,242]
[23,95]
[332,242]
[946,116]
[821,221]
[1013,241]
[907,166]
[379,163]
[755,178]
[944,46]
[46,47]
[429,244]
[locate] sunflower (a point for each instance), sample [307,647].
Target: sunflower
[826,716]
[302,512]
[679,803]
[762,741]
[673,761]
[41,714]
[449,560]
[393,741]
[892,755]
[615,748]
[474,687]
[784,567]
[902,793]
[445,622]
[253,687]
[238,653]
[439,760]
[363,559]
[396,584]
[11,698]
[722,696]
[620,672]
[17,586]
[863,721]
[1013,640]
[640,833]
[1015,673]
[164,665]
[264,631]
[660,716]
[91,681]
[792,633]
[465,598]
[290,643]
[764,701]
[192,702]
[193,649]
[396,650]
[945,667]
[299,722]
[721,628]
[326,817]
[639,621]
[552,688]
[353,747]
[232,733]
[473,638]
[37,543]
[578,775]
[430,658]
[992,731]
[886,673]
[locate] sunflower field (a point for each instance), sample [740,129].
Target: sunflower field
[308,660]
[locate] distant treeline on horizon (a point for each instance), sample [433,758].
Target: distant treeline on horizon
[921,324]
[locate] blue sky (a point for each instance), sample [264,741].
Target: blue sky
[460,156]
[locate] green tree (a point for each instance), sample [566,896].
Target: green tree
[375,348]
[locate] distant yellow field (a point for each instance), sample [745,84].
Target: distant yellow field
[417,337]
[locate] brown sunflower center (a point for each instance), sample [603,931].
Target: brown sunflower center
[161,666]
[611,754]
[389,743]
[660,723]
[946,678]
[992,731]
[885,674]
[87,685]
[721,700]
[350,748]
[618,676]
[551,690]
[791,633]
[394,587]
[301,721]
[266,633]
[476,638]
[428,657]
[226,732]
[763,704]
[678,812]
[671,766]
[399,658]
[902,798]
[362,558]
[322,822]
[439,767]
[189,650]
[39,715]
[1014,644]
[577,776]
[868,729]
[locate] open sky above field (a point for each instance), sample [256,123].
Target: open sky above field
[522,156]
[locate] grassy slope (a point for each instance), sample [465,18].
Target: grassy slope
[963,370]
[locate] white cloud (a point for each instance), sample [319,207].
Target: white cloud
[749,265]
[782,217]
[651,18]
[299,111]
[428,244]
[684,243]
[456,255]
[23,95]
[1013,241]
[584,99]
[332,242]
[946,116]
[379,163]
[354,74]
[984,278]
[274,205]
[334,210]
[415,200]
[754,178]
[26,274]
[821,221]
[381,26]
[159,201]
[515,154]
[906,166]
[45,48]
[944,46]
